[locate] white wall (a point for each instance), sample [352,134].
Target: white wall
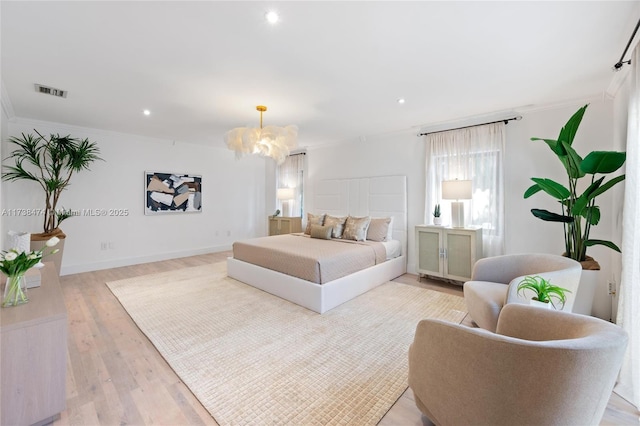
[404,154]
[4,133]
[233,197]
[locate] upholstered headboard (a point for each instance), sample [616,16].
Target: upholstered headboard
[379,196]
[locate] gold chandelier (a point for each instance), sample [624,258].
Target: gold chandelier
[270,141]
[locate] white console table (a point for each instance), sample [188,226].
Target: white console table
[446,252]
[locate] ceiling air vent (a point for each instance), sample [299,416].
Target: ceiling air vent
[51,91]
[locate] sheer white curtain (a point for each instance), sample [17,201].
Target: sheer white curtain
[629,304]
[476,154]
[290,175]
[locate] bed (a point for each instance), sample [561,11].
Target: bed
[296,276]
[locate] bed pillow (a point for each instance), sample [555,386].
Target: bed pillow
[322,232]
[337,223]
[356,228]
[313,219]
[378,229]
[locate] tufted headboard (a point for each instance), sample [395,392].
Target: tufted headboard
[378,196]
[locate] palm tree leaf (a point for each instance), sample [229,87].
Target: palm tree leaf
[550,216]
[568,132]
[603,162]
[609,244]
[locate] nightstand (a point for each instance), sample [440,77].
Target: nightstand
[284,225]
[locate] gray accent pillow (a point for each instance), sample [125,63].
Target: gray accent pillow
[313,219]
[337,223]
[322,232]
[356,228]
[378,229]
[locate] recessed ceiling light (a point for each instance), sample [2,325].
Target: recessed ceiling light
[401,100]
[272,17]
[146,112]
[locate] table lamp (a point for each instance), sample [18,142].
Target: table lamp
[456,190]
[285,195]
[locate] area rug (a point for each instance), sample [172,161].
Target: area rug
[253,358]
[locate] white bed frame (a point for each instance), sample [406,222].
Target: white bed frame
[373,196]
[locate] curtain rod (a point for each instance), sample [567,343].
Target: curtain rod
[298,153]
[621,63]
[505,121]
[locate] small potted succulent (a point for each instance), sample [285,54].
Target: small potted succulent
[437,220]
[544,292]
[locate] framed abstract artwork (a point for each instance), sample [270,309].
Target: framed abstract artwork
[172,193]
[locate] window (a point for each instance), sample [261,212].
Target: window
[289,185]
[475,154]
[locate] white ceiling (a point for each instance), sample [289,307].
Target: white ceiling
[335,69]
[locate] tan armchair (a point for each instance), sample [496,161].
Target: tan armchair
[541,367]
[494,283]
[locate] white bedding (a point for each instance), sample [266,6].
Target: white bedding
[393,248]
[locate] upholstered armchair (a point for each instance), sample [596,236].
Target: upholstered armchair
[541,367]
[494,283]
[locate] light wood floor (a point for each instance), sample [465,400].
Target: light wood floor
[116,377]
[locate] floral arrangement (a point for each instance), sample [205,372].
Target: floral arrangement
[14,265]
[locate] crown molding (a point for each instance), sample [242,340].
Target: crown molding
[73,129]
[596,97]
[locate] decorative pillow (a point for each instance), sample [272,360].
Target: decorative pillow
[313,219]
[356,228]
[337,223]
[378,229]
[322,232]
[390,231]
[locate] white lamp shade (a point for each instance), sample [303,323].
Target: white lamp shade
[456,189]
[285,194]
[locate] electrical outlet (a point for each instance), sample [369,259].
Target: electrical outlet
[228,233]
[103,245]
[112,246]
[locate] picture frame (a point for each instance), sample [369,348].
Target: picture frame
[172,193]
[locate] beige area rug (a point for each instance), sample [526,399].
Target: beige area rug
[253,358]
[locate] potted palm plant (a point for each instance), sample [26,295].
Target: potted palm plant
[579,211]
[50,162]
[544,293]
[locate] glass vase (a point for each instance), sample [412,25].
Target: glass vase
[15,291]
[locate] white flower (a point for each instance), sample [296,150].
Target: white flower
[55,251]
[33,256]
[52,241]
[10,256]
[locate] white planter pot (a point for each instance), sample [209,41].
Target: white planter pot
[540,304]
[437,221]
[583,303]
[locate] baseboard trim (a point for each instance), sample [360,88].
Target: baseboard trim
[116,263]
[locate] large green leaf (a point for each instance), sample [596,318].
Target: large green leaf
[550,216]
[572,162]
[593,213]
[552,188]
[607,185]
[603,162]
[583,200]
[609,244]
[532,190]
[554,145]
[568,132]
